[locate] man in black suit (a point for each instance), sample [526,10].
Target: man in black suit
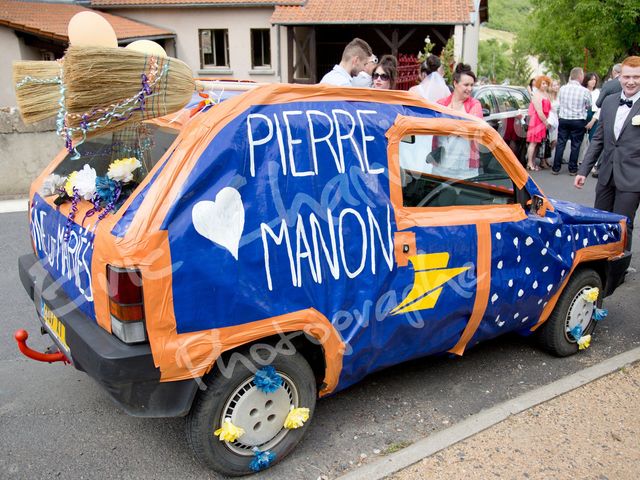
[618,139]
[610,87]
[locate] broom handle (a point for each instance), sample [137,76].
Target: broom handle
[203,85]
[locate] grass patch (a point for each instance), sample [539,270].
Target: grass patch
[394,447]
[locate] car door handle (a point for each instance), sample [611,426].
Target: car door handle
[404,246]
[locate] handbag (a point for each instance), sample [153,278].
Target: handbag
[544,151]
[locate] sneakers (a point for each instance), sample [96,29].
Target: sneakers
[594,174]
[553,172]
[573,174]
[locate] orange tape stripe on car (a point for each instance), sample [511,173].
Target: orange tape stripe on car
[407,217]
[199,132]
[483,276]
[191,355]
[595,252]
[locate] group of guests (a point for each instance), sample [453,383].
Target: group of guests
[359,67]
[558,115]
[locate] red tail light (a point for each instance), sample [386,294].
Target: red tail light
[126,304]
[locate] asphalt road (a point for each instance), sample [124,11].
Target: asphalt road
[56,422]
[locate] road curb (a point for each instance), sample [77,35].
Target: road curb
[12,206]
[481,421]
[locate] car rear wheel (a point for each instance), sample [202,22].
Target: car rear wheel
[570,311]
[235,396]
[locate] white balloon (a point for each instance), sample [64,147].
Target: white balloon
[148,47]
[88,29]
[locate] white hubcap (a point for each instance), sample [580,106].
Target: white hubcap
[260,414]
[580,313]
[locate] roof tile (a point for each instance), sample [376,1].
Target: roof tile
[375,11]
[212,3]
[50,20]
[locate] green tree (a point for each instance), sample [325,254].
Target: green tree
[519,70]
[498,62]
[508,15]
[493,60]
[558,32]
[448,61]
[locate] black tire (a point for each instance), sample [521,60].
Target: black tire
[207,411]
[553,335]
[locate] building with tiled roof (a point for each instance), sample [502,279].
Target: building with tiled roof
[38,30]
[299,40]
[263,40]
[50,20]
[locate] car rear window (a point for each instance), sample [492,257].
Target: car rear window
[147,142]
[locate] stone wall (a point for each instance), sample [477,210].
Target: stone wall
[24,152]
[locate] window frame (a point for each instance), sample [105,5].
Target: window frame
[263,32]
[473,129]
[491,98]
[227,57]
[500,93]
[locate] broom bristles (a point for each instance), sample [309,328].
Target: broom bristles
[37,87]
[103,88]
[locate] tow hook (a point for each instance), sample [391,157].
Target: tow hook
[21,337]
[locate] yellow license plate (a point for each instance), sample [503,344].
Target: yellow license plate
[56,327]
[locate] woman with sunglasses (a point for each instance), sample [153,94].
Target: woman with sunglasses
[386,73]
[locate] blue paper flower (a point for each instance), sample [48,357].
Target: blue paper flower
[576,332]
[267,379]
[106,189]
[600,314]
[261,460]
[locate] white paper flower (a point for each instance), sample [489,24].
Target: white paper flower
[635,120]
[85,182]
[122,170]
[51,185]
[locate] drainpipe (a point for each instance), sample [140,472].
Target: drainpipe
[279,62]
[464,34]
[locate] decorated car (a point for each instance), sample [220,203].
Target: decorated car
[235,261]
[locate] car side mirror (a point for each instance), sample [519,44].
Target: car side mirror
[538,205]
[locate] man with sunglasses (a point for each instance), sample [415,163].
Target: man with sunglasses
[357,57]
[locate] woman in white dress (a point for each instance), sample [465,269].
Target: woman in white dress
[553,121]
[432,86]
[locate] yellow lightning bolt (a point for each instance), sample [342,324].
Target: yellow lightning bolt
[430,274]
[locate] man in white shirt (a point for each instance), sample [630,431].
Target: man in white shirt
[575,102]
[354,60]
[364,79]
[618,139]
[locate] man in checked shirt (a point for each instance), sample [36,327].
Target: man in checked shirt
[575,102]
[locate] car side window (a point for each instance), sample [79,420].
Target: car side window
[520,99]
[505,102]
[486,100]
[449,170]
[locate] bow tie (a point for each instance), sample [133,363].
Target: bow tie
[627,102]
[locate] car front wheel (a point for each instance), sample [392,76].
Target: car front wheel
[572,310]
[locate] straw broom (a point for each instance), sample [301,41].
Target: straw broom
[108,88]
[37,85]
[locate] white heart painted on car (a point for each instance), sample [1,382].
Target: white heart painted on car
[222,220]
